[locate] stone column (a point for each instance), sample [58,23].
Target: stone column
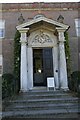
[30,68]
[55,66]
[23,67]
[62,60]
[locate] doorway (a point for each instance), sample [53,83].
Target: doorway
[42,66]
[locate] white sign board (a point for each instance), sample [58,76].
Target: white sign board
[1,60]
[50,82]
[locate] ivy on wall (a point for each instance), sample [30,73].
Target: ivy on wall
[17,49]
[67,52]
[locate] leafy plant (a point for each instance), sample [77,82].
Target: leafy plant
[7,85]
[67,52]
[75,81]
[17,49]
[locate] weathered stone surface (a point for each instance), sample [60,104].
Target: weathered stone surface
[8,56]
[40,5]
[54,104]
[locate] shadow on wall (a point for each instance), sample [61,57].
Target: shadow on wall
[74,83]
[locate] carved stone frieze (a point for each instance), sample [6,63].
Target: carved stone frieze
[42,38]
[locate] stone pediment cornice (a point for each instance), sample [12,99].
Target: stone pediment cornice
[44,19]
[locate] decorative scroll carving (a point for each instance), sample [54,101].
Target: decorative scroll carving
[41,38]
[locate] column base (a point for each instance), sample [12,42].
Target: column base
[26,90]
[57,88]
[23,91]
[64,88]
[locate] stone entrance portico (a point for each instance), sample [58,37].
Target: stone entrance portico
[40,33]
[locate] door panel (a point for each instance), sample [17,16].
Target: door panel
[47,64]
[42,66]
[38,67]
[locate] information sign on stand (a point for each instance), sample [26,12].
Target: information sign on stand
[50,83]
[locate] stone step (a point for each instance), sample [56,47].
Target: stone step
[57,113]
[47,104]
[44,96]
[53,100]
[41,107]
[37,104]
[44,105]
[46,92]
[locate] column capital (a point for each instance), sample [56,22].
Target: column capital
[60,29]
[23,30]
[61,34]
[23,42]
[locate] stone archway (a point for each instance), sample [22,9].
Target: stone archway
[41,37]
[49,41]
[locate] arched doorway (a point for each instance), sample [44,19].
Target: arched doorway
[38,34]
[42,57]
[42,66]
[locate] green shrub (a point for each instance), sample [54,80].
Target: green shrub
[17,50]
[7,85]
[67,52]
[75,81]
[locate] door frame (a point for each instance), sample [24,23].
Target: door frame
[38,84]
[55,67]
[43,74]
[34,45]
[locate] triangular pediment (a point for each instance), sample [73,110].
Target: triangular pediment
[44,19]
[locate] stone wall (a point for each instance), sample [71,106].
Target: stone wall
[8,56]
[36,5]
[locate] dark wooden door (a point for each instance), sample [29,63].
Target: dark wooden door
[47,64]
[38,67]
[42,66]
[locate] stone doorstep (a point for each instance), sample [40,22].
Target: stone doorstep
[38,113]
[71,108]
[27,97]
[45,95]
[43,103]
[46,105]
[38,90]
[60,106]
[44,100]
[39,99]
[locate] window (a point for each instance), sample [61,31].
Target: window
[1,65]
[77,25]
[38,15]
[2,28]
